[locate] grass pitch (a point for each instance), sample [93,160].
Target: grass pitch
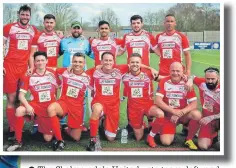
[201,59]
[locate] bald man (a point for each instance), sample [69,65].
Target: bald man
[179,107]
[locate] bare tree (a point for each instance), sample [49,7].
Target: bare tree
[64,13]
[149,21]
[9,13]
[108,15]
[153,21]
[191,17]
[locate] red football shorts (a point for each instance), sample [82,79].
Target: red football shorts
[111,111]
[12,77]
[75,114]
[136,114]
[43,121]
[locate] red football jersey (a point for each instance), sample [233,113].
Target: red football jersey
[140,44]
[42,87]
[210,99]
[73,87]
[171,47]
[174,94]
[138,87]
[49,43]
[19,40]
[99,46]
[107,86]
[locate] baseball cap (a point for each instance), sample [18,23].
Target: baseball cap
[75,23]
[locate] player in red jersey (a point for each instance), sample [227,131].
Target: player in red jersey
[17,40]
[42,85]
[74,85]
[104,43]
[47,41]
[101,45]
[179,107]
[138,41]
[171,44]
[106,102]
[209,88]
[138,82]
[106,83]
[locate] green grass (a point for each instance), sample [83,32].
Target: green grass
[201,59]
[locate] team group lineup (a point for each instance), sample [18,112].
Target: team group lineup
[30,66]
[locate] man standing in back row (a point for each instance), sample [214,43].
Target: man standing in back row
[171,44]
[138,41]
[17,40]
[104,43]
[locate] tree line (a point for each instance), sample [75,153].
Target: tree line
[190,17]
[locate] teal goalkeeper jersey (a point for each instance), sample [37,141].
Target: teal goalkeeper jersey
[69,46]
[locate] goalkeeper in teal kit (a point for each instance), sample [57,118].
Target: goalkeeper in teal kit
[71,45]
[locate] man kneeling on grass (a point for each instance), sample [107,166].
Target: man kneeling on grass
[74,86]
[42,85]
[179,107]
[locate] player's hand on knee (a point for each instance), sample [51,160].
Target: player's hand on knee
[30,110]
[179,113]
[174,119]
[205,120]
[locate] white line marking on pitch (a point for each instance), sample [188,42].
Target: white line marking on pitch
[205,63]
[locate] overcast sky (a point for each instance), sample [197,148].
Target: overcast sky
[123,11]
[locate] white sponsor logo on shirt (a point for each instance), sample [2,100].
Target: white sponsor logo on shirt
[136,92]
[50,44]
[105,47]
[72,92]
[137,44]
[136,84]
[44,96]
[174,103]
[107,81]
[168,45]
[136,38]
[174,95]
[42,87]
[107,90]
[23,36]
[75,50]
[74,83]
[170,87]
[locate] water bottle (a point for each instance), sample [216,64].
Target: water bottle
[98,146]
[124,136]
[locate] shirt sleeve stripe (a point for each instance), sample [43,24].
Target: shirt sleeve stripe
[192,99]
[186,49]
[159,94]
[22,90]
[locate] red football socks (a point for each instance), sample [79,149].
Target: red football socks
[56,128]
[94,124]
